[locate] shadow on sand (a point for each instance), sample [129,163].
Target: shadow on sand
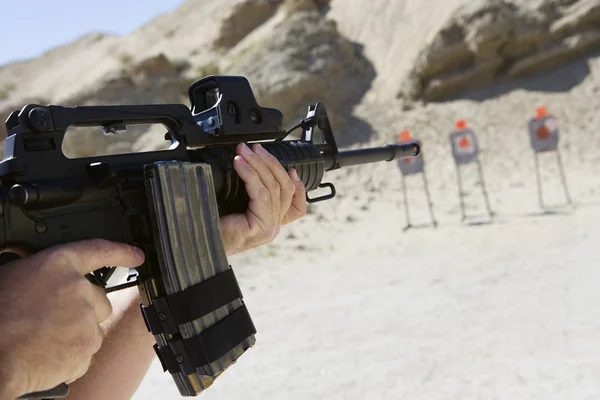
[354,130]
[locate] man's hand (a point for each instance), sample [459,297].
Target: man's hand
[277,197]
[50,314]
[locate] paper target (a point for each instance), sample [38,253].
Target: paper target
[543,134]
[464,146]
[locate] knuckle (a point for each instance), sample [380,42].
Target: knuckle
[263,194]
[273,161]
[301,188]
[263,238]
[275,187]
[103,247]
[268,235]
[289,187]
[302,209]
[255,178]
[57,256]
[252,177]
[255,227]
[80,286]
[295,214]
[275,232]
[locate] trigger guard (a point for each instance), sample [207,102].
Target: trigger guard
[8,257]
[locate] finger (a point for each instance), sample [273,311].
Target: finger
[101,304]
[286,185]
[89,255]
[298,207]
[265,175]
[260,202]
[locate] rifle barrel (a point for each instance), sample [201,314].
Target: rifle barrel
[388,152]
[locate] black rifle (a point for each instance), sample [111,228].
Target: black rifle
[167,203]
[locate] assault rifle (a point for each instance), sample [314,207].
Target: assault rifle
[166,202]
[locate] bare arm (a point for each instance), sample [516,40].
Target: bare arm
[126,354]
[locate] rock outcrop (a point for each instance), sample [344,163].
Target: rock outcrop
[243,18]
[489,39]
[305,60]
[306,5]
[247,15]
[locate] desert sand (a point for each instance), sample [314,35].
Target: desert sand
[505,311]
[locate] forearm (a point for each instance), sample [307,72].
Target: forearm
[126,354]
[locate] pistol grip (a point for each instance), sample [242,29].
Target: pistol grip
[60,391]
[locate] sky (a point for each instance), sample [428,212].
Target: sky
[28,28]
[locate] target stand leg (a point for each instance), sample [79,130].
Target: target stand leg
[484,190]
[406,210]
[460,192]
[563,178]
[429,202]
[538,180]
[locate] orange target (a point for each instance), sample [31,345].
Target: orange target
[543,132]
[464,142]
[404,136]
[409,165]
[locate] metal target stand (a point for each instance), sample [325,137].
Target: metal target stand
[414,166]
[563,179]
[465,150]
[543,135]
[429,202]
[461,193]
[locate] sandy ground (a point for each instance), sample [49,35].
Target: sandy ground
[507,310]
[347,305]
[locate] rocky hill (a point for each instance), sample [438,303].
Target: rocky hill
[487,40]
